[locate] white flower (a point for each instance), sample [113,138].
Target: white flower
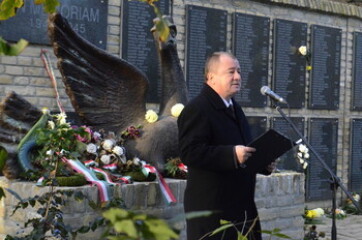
[45,110]
[105,159]
[151,116]
[340,211]
[300,155]
[356,197]
[118,150]
[136,161]
[108,144]
[51,124]
[62,118]
[49,152]
[319,212]
[96,136]
[177,109]
[92,148]
[305,165]
[302,50]
[306,155]
[303,148]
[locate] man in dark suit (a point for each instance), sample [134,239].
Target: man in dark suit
[213,134]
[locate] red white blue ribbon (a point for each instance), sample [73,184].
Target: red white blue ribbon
[165,189]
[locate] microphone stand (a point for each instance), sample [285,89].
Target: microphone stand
[334,180]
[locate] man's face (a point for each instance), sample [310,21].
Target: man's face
[225,77]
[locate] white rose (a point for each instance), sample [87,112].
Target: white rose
[91,148]
[302,148]
[118,150]
[105,159]
[108,144]
[319,212]
[177,109]
[302,50]
[356,197]
[305,165]
[306,155]
[151,116]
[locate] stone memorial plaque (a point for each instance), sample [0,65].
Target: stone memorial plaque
[138,45]
[289,67]
[87,17]
[325,74]
[251,47]
[357,72]
[322,135]
[257,125]
[205,34]
[288,161]
[355,169]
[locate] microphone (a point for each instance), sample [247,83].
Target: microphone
[265,90]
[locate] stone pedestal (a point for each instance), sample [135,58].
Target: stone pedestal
[279,197]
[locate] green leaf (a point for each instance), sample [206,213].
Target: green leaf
[126,226]
[8,8]
[115,214]
[12,49]
[221,229]
[160,229]
[3,157]
[223,222]
[50,6]
[198,214]
[161,25]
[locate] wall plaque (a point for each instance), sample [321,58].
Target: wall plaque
[138,45]
[289,67]
[87,17]
[251,47]
[325,74]
[205,34]
[355,169]
[357,72]
[322,135]
[257,125]
[288,161]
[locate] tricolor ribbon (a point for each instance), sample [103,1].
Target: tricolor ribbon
[165,189]
[105,175]
[111,167]
[103,186]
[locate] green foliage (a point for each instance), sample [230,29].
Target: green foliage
[8,8]
[162,24]
[12,49]
[50,215]
[49,5]
[128,225]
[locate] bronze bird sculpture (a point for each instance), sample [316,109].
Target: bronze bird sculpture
[109,93]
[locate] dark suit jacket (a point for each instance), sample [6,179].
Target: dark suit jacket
[207,136]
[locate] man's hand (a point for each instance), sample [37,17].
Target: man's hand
[243,153]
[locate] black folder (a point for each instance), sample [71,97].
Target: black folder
[269,146]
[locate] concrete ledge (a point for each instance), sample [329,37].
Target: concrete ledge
[280,199]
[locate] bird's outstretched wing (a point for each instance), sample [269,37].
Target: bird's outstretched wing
[106,91]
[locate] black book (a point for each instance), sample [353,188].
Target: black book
[269,146]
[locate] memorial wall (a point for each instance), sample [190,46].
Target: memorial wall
[325,101]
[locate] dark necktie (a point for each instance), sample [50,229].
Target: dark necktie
[231,111]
